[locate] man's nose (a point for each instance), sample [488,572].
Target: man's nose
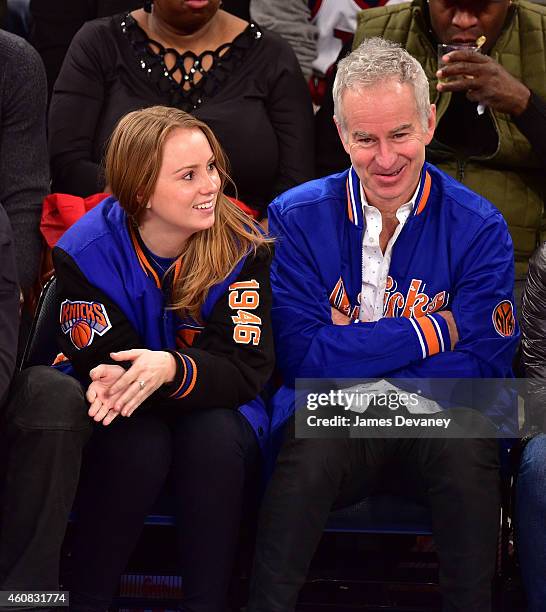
[386,155]
[464,18]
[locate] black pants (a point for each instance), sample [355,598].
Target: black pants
[44,429]
[215,463]
[459,478]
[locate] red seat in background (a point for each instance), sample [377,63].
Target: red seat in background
[61,210]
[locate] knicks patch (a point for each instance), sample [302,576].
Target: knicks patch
[503,318]
[82,320]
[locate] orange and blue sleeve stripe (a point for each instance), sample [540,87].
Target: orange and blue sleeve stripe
[186,375]
[339,299]
[433,334]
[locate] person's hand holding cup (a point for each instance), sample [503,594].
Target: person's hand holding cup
[444,49]
[481,78]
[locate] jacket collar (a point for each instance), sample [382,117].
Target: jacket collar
[143,260]
[354,202]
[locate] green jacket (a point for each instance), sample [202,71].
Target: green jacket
[512,178]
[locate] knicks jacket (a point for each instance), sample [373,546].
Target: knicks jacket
[453,253]
[111,299]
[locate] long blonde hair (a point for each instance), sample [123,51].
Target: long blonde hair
[133,160]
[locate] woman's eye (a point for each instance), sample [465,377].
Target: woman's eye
[188,176]
[212,166]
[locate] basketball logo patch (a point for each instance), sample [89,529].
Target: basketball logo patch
[82,320]
[503,318]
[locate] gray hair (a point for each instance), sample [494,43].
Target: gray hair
[375,61]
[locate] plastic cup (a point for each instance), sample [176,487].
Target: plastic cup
[443,49]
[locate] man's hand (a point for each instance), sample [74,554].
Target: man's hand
[101,403]
[149,370]
[452,326]
[338,318]
[485,81]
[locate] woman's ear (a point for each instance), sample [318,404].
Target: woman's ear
[139,197]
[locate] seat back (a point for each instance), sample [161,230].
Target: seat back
[382,514]
[41,347]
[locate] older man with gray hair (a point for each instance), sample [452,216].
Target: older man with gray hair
[390,269]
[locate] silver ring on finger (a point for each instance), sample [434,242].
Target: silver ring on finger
[141,384]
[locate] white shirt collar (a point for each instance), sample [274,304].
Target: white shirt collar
[402,213]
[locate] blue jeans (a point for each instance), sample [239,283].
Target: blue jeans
[531,522]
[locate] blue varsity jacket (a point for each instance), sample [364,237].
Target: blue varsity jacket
[106,283]
[453,253]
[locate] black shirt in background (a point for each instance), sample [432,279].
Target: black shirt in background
[262,113]
[55,22]
[466,132]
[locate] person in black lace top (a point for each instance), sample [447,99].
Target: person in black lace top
[55,22]
[243,81]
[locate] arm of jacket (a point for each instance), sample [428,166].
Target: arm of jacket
[309,345]
[9,306]
[533,353]
[330,156]
[233,357]
[120,335]
[290,110]
[291,21]
[532,124]
[483,310]
[74,112]
[221,369]
[24,168]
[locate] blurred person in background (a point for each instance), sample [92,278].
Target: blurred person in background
[53,23]
[24,171]
[243,81]
[290,19]
[335,23]
[42,431]
[530,515]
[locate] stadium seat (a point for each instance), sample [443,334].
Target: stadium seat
[41,346]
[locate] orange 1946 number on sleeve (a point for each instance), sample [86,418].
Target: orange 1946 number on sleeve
[244,297]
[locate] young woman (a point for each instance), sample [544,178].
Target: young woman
[164,304]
